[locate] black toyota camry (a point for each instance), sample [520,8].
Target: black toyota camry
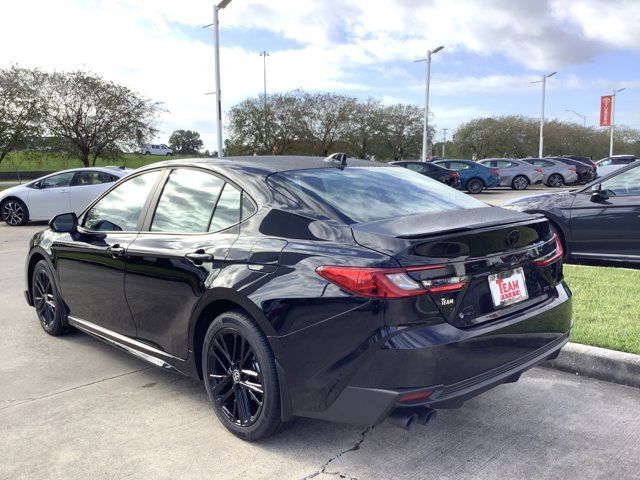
[342,290]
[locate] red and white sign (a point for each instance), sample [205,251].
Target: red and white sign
[606,102]
[508,288]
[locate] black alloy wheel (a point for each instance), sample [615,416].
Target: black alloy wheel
[14,212]
[240,376]
[475,186]
[555,180]
[46,300]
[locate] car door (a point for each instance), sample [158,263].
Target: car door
[181,249]
[86,186]
[90,262]
[50,196]
[608,226]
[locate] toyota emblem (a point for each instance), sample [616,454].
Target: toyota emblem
[512,237]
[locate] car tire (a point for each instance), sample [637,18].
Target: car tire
[475,186]
[14,212]
[168,154]
[147,153]
[555,180]
[47,301]
[520,182]
[240,376]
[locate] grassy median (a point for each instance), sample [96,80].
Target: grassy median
[606,306]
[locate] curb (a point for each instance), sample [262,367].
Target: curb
[599,363]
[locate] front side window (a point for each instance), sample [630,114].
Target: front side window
[227,210]
[57,181]
[415,167]
[120,209]
[605,162]
[625,184]
[187,202]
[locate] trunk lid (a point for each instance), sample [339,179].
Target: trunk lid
[473,243]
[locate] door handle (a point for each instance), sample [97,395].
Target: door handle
[199,257]
[116,251]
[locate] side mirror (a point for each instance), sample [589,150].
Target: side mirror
[597,193]
[64,223]
[37,185]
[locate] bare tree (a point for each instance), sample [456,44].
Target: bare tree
[21,107]
[96,116]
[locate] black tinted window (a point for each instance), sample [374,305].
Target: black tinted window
[187,202]
[373,193]
[92,178]
[227,210]
[120,209]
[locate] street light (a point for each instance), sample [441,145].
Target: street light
[444,139]
[613,121]
[583,117]
[544,83]
[216,45]
[425,140]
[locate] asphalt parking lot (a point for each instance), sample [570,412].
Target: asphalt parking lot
[73,407]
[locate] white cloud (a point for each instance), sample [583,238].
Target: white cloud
[140,43]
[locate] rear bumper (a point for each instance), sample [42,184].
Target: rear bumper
[370,406]
[455,364]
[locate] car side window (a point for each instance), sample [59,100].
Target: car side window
[546,163]
[120,209]
[606,162]
[248,207]
[623,185]
[227,212]
[187,202]
[91,178]
[57,181]
[458,166]
[415,167]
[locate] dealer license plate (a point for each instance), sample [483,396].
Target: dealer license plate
[508,287]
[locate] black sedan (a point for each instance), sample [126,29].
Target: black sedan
[341,290]
[431,170]
[586,171]
[600,221]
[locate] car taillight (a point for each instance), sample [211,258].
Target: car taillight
[553,256]
[495,172]
[454,175]
[573,169]
[538,169]
[388,282]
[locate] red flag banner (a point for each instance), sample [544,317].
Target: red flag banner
[605,110]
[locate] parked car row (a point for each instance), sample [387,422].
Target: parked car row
[476,176]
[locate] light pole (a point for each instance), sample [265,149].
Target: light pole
[264,54]
[444,139]
[583,117]
[613,119]
[216,46]
[544,83]
[425,131]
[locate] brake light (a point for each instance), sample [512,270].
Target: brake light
[388,282]
[415,396]
[573,169]
[538,169]
[454,175]
[553,256]
[495,172]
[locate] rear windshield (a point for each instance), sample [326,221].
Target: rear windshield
[367,194]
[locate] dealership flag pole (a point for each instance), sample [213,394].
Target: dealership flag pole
[613,120]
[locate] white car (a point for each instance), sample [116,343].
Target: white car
[611,164]
[60,192]
[155,149]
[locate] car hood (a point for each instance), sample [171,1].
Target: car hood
[11,191]
[545,201]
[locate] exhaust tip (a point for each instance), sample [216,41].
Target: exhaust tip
[408,418]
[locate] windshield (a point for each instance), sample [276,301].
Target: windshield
[367,194]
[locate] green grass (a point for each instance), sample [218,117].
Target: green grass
[4,186]
[606,306]
[51,162]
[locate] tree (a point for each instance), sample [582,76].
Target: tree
[21,107]
[185,141]
[96,116]
[401,132]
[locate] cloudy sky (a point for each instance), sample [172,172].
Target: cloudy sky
[365,48]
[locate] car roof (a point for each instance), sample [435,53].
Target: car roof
[266,164]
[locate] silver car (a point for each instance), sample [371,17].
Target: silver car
[514,173]
[556,174]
